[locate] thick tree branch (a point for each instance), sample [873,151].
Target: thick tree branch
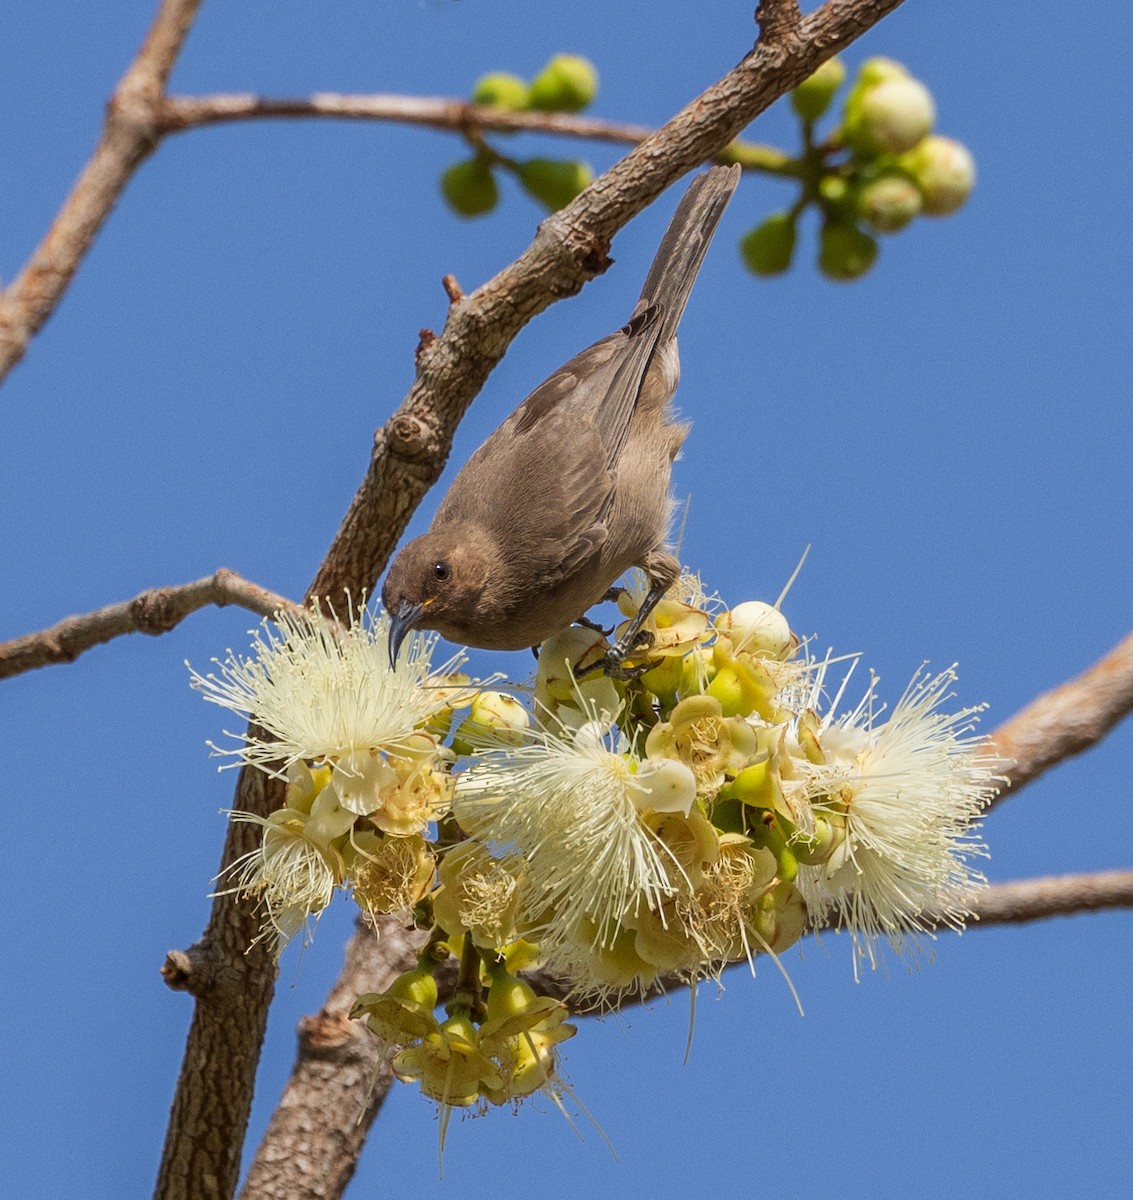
[154,611]
[1068,719]
[130,132]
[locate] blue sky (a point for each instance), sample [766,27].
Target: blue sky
[951,436]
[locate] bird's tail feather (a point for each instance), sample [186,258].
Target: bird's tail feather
[686,241]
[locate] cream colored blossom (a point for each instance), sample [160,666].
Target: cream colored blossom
[567,808]
[907,792]
[318,692]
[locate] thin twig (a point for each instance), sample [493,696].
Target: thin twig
[1068,719]
[154,611]
[447,114]
[129,133]
[1053,896]
[181,113]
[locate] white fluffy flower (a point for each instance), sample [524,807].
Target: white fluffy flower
[908,792]
[293,872]
[565,811]
[318,692]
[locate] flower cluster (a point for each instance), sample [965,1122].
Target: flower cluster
[709,804]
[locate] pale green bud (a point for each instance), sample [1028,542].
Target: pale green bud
[889,117]
[552,182]
[834,189]
[470,188]
[568,83]
[768,248]
[890,202]
[812,97]
[878,69]
[944,171]
[845,252]
[494,719]
[501,90]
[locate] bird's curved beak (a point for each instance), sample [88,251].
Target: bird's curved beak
[401,621]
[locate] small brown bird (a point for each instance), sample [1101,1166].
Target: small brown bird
[573,488]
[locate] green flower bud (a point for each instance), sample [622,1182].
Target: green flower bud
[845,252]
[768,248]
[834,189]
[812,97]
[494,719]
[568,83]
[944,171]
[756,785]
[470,188]
[501,90]
[554,183]
[889,202]
[889,117]
[877,70]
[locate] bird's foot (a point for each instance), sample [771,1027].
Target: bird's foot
[587,623]
[612,663]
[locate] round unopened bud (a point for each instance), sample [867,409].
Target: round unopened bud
[834,189]
[812,97]
[889,202]
[768,248]
[494,719]
[470,188]
[944,171]
[501,90]
[889,117]
[552,182]
[845,252]
[878,69]
[757,628]
[568,83]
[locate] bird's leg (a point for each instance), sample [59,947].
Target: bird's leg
[662,570]
[635,638]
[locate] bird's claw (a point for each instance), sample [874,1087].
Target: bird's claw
[612,663]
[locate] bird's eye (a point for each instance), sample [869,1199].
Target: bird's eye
[442,571]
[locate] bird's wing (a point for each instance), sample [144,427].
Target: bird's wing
[600,386]
[540,487]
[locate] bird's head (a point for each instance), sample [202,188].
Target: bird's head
[435,582]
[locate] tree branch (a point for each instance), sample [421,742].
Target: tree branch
[130,132]
[1053,896]
[154,611]
[1068,719]
[445,113]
